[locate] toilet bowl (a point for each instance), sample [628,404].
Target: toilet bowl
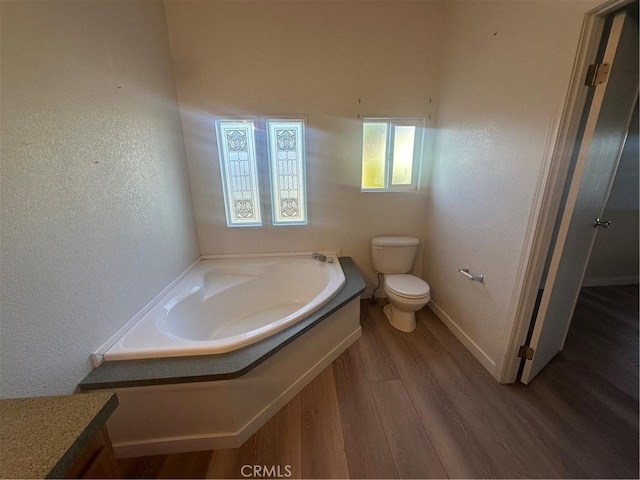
[407,294]
[393,257]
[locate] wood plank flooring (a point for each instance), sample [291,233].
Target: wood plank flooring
[418,405]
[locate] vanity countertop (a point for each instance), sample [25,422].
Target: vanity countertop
[41,437]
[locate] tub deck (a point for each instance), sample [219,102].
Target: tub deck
[205,368]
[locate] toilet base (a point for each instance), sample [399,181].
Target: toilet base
[403,321]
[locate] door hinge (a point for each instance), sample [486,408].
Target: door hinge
[597,74]
[526,352]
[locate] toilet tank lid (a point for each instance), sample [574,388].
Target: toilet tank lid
[394,241]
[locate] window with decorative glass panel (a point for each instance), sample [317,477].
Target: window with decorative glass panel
[287,168]
[238,167]
[240,170]
[391,152]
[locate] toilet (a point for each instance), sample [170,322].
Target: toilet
[393,257]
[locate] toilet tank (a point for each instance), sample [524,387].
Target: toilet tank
[393,254]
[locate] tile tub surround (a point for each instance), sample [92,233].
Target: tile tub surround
[41,437]
[134,373]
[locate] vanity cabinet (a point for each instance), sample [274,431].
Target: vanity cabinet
[97,460]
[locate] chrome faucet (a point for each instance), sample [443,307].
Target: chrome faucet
[319,256]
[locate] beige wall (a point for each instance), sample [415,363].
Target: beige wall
[506,71]
[96,212]
[317,59]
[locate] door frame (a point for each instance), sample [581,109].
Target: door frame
[547,199]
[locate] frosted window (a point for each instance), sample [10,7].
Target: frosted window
[237,154]
[403,145]
[391,152]
[374,154]
[287,167]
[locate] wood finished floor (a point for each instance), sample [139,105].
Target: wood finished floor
[418,405]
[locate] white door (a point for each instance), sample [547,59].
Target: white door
[599,153]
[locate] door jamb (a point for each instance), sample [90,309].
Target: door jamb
[549,189]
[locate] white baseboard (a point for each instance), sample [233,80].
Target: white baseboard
[245,403]
[465,339]
[605,282]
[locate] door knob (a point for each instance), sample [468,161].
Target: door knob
[601,223]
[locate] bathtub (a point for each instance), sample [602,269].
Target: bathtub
[224,304]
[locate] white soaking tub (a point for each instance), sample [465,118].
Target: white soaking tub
[224,304]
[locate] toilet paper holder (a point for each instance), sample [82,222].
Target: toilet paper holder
[473,278]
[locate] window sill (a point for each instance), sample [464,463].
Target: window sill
[388,190]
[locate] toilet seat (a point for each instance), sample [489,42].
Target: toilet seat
[407,286]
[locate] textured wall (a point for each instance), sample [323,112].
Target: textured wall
[506,71]
[96,211]
[329,61]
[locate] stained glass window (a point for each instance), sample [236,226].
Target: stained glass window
[287,167]
[237,154]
